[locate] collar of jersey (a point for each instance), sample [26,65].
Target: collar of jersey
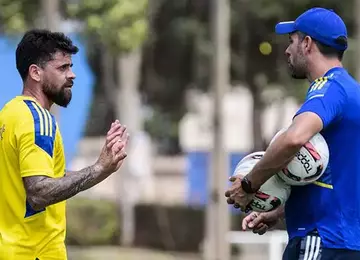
[28,98]
[328,74]
[333,70]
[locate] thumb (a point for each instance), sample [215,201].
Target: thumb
[248,219]
[256,221]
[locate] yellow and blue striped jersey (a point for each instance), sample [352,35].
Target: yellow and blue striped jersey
[30,145]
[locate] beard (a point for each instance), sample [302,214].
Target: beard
[60,97]
[298,65]
[296,72]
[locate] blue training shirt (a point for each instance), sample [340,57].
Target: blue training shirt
[332,205]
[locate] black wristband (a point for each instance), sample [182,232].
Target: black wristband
[246,186]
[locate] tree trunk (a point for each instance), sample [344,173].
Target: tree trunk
[258,141]
[128,111]
[108,80]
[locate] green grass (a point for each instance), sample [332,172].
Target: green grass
[119,253]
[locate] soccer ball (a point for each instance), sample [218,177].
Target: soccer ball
[309,163]
[272,194]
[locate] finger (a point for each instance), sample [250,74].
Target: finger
[227,193]
[124,133]
[257,228]
[230,201]
[244,223]
[118,133]
[256,221]
[232,178]
[261,229]
[113,142]
[234,187]
[248,219]
[120,156]
[127,138]
[117,138]
[235,178]
[113,128]
[118,147]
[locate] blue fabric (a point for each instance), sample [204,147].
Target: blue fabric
[334,212]
[43,140]
[321,24]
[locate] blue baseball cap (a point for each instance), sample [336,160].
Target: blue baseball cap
[321,24]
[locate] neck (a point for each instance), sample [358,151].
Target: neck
[38,96]
[322,66]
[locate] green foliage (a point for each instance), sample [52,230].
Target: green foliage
[92,222]
[120,25]
[164,130]
[16,16]
[290,9]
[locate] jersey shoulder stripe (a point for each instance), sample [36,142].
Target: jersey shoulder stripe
[44,127]
[319,87]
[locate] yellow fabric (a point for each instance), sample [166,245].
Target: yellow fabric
[30,145]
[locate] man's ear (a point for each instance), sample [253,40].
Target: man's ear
[308,43]
[35,72]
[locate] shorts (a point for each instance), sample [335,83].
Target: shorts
[57,252]
[310,248]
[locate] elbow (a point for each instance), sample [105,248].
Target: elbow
[295,140]
[36,202]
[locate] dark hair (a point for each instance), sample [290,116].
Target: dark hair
[38,47]
[327,50]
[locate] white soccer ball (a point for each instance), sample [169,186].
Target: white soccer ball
[308,164]
[272,194]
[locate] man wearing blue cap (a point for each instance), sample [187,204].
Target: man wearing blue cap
[322,218]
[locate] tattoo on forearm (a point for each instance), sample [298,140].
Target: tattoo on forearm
[43,191]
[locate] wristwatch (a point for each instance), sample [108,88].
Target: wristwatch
[246,186]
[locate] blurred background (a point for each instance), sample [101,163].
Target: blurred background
[200,84]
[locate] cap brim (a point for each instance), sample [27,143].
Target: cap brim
[285,27]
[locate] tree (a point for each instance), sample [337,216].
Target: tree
[112,29]
[256,25]
[121,25]
[18,16]
[176,52]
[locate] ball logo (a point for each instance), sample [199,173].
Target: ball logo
[311,149]
[305,161]
[256,204]
[290,175]
[260,203]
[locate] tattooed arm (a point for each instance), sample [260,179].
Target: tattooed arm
[43,191]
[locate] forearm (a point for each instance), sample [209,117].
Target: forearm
[44,191]
[277,157]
